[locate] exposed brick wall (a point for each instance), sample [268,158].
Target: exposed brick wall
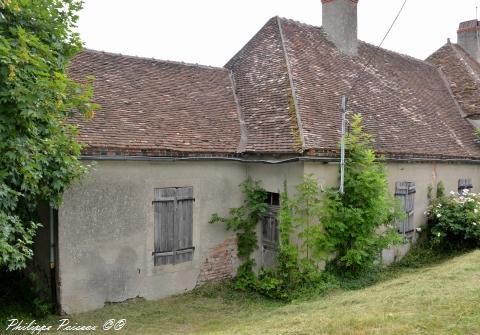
[220,264]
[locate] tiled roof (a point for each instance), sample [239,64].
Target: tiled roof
[463,76]
[263,89]
[405,102]
[157,107]
[281,94]
[290,79]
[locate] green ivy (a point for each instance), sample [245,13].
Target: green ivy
[243,221]
[282,280]
[296,273]
[38,149]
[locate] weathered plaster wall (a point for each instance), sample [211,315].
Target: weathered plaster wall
[423,174]
[106,229]
[106,223]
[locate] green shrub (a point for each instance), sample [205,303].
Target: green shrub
[454,221]
[352,221]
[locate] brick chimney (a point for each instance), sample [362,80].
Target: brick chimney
[468,38]
[339,21]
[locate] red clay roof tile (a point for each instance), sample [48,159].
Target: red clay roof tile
[151,106]
[284,98]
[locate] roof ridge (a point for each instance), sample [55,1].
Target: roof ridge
[239,53]
[360,41]
[156,60]
[408,57]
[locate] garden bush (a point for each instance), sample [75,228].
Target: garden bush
[454,221]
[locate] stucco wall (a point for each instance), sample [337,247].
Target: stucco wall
[423,174]
[106,229]
[106,223]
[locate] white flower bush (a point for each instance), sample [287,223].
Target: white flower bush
[453,220]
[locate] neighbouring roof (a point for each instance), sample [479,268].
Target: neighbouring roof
[157,107]
[463,76]
[284,98]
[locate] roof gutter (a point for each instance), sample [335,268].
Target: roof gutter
[332,160]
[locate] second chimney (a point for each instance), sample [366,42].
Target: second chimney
[468,38]
[339,21]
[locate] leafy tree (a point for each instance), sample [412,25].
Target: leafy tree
[38,149]
[352,222]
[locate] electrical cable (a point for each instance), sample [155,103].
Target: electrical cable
[378,47]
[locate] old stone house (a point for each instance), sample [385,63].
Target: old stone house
[172,142]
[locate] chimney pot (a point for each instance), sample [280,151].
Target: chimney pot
[339,21]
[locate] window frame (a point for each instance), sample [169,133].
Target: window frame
[270,234]
[464,183]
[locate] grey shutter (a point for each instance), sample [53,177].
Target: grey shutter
[173,225]
[184,240]
[270,237]
[405,191]
[464,184]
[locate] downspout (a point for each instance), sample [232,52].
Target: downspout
[53,281]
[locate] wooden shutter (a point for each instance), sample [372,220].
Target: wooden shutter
[184,220]
[405,191]
[464,184]
[173,225]
[270,237]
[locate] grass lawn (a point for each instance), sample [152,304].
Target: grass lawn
[443,298]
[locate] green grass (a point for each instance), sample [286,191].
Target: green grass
[410,298]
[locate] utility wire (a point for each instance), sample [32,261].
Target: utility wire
[359,75]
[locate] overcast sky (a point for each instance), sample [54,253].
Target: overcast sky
[210,32]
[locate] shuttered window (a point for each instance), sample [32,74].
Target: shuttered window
[173,225]
[464,184]
[270,234]
[405,192]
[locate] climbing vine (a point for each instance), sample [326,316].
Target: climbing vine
[352,228]
[243,221]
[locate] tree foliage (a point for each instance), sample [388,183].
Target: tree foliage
[352,222]
[38,149]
